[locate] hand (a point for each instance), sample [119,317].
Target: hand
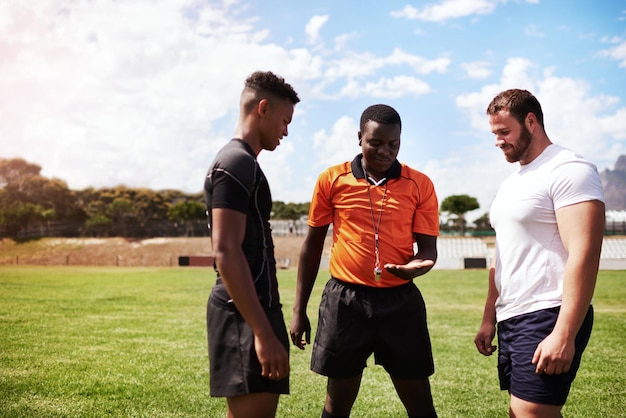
[484,339]
[272,356]
[409,270]
[553,355]
[300,326]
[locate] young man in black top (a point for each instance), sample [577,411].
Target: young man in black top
[248,342]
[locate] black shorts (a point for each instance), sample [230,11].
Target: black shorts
[518,338]
[233,363]
[356,321]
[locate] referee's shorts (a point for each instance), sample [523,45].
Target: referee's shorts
[356,321]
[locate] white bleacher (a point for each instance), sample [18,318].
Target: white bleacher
[452,251]
[613,255]
[616,215]
[461,247]
[613,248]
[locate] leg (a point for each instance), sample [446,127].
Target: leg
[520,408]
[253,405]
[415,395]
[534,395]
[341,394]
[405,350]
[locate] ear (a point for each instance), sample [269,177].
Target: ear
[262,107]
[531,121]
[359,135]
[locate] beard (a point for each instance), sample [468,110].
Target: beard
[518,151]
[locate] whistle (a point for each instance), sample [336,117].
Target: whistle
[377,273]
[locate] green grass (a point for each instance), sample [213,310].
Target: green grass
[121,342]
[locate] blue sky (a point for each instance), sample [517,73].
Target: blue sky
[144,92]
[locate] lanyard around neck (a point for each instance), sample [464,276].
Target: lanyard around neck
[376,225]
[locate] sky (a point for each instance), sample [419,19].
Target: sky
[143,93]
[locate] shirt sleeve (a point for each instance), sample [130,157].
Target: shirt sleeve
[426,216]
[230,191]
[575,182]
[321,209]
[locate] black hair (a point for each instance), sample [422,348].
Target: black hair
[266,82]
[380,113]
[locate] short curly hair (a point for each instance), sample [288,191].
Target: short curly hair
[266,82]
[380,113]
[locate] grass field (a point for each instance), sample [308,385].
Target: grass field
[131,342]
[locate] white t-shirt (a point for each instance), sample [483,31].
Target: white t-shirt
[530,256]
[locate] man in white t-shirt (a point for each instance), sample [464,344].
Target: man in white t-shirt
[549,223]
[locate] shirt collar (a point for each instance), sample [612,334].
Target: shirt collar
[357,169]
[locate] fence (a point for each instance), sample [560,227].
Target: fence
[152,228]
[198,228]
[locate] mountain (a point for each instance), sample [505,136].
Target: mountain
[614,185]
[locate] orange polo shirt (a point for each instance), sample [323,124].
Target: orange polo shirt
[341,199]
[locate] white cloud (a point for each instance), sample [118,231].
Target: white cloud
[313,27]
[477,69]
[342,40]
[276,167]
[617,52]
[126,89]
[388,88]
[577,120]
[533,31]
[447,9]
[514,75]
[418,64]
[615,126]
[353,65]
[340,145]
[470,174]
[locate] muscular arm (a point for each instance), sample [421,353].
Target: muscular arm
[581,227]
[228,231]
[308,267]
[487,330]
[420,263]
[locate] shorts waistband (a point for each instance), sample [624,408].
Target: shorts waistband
[356,286]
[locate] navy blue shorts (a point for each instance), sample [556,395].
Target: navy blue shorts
[356,321]
[234,366]
[518,338]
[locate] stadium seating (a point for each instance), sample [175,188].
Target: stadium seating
[454,252]
[461,247]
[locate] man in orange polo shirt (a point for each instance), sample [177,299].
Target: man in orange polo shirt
[380,210]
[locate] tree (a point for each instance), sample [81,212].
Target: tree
[150,205]
[289,211]
[28,199]
[483,223]
[97,225]
[187,211]
[121,210]
[14,171]
[17,217]
[458,205]
[50,194]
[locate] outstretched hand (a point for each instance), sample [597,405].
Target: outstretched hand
[411,269]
